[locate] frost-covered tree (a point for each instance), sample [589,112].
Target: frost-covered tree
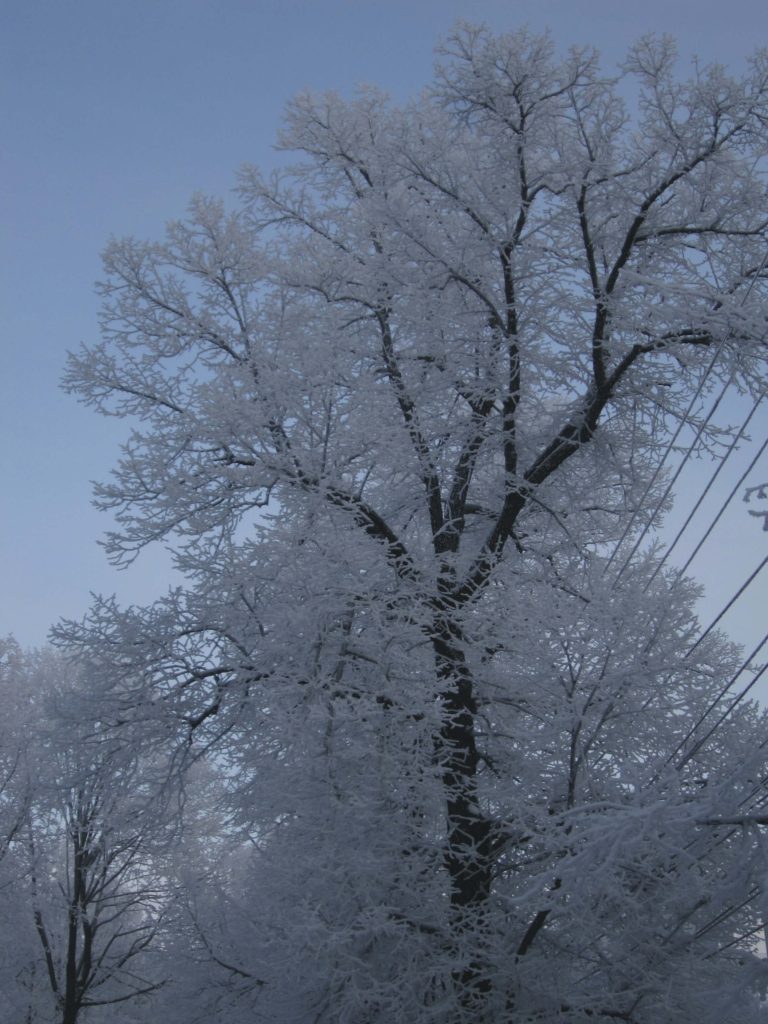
[12,795]
[400,419]
[84,895]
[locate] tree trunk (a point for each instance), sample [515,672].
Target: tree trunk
[468,856]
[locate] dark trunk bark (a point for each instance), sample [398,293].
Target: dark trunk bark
[469,846]
[70,1001]
[72,995]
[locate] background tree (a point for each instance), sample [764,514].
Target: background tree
[17,941]
[12,801]
[88,896]
[401,420]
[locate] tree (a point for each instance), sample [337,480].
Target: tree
[401,420]
[12,803]
[87,901]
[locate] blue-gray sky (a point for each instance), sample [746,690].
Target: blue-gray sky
[113,113]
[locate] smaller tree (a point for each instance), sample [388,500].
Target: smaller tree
[12,803]
[84,853]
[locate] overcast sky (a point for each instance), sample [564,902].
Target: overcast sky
[113,113]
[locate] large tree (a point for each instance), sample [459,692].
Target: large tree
[401,416]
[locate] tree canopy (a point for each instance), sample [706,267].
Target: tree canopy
[401,416]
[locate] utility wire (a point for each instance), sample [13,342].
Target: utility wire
[736,488]
[744,665]
[669,448]
[667,491]
[753,279]
[680,571]
[700,743]
[657,773]
[728,607]
[720,465]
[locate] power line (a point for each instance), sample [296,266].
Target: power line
[736,488]
[700,743]
[667,491]
[670,446]
[687,654]
[720,465]
[684,420]
[728,606]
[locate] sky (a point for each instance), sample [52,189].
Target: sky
[113,113]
